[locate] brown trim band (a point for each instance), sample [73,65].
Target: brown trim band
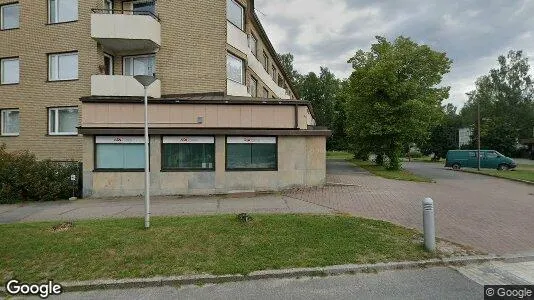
[202,131]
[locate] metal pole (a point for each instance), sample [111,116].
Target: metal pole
[429,229]
[478,112]
[147,165]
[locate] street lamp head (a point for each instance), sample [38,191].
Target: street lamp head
[145,80]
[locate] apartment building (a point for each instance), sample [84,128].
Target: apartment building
[223,115]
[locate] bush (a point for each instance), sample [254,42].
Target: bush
[24,178]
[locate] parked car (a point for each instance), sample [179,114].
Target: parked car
[489,159]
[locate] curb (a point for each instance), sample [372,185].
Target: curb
[495,176]
[285,273]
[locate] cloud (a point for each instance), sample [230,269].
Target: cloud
[472,33]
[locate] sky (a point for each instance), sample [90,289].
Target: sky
[473,33]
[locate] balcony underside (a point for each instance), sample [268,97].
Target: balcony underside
[126,46]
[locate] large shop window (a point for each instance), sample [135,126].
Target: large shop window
[120,153]
[251,153]
[188,153]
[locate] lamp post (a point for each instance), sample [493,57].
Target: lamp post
[146,81]
[478,119]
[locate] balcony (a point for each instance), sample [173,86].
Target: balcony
[119,85]
[124,32]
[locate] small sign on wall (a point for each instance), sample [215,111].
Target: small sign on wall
[120,140]
[188,140]
[251,140]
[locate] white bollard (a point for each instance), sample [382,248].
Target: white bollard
[429,229]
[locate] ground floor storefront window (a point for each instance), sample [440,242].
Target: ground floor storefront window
[125,153]
[251,153]
[188,153]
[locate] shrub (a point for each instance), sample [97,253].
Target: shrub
[24,178]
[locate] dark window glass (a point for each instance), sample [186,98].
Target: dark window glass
[189,156]
[251,156]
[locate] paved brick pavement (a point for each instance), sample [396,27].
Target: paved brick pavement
[489,214]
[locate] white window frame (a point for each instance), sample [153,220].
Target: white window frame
[108,4]
[124,58]
[56,9]
[112,62]
[2,71]
[242,27]
[2,133]
[56,120]
[255,50]
[51,65]
[243,68]
[2,26]
[252,79]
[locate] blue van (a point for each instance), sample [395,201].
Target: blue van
[489,159]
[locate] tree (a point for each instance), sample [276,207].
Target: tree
[287,60]
[444,136]
[394,98]
[506,98]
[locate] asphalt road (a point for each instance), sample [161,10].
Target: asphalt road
[433,283]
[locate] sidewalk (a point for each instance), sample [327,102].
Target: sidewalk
[159,206]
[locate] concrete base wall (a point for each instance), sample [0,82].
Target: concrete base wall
[301,162]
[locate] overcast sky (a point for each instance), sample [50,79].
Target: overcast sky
[472,33]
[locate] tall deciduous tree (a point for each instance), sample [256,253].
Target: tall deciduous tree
[506,98]
[394,96]
[444,136]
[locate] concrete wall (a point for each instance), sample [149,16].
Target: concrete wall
[186,115]
[119,85]
[301,162]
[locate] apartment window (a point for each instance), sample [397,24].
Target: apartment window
[144,7]
[139,65]
[108,5]
[63,66]
[236,14]
[60,11]
[253,87]
[120,153]
[265,93]
[63,121]
[235,68]
[251,153]
[10,122]
[9,70]
[266,62]
[188,153]
[253,44]
[274,73]
[9,16]
[108,64]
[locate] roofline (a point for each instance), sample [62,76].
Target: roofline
[203,131]
[182,99]
[271,49]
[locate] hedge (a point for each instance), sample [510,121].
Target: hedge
[24,178]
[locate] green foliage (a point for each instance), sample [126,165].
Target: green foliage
[444,136]
[24,178]
[327,96]
[393,97]
[506,98]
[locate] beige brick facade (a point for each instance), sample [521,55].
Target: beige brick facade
[192,59]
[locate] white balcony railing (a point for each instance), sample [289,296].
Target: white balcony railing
[239,40]
[119,85]
[126,33]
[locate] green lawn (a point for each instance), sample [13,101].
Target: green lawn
[426,159]
[521,173]
[338,155]
[383,172]
[115,249]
